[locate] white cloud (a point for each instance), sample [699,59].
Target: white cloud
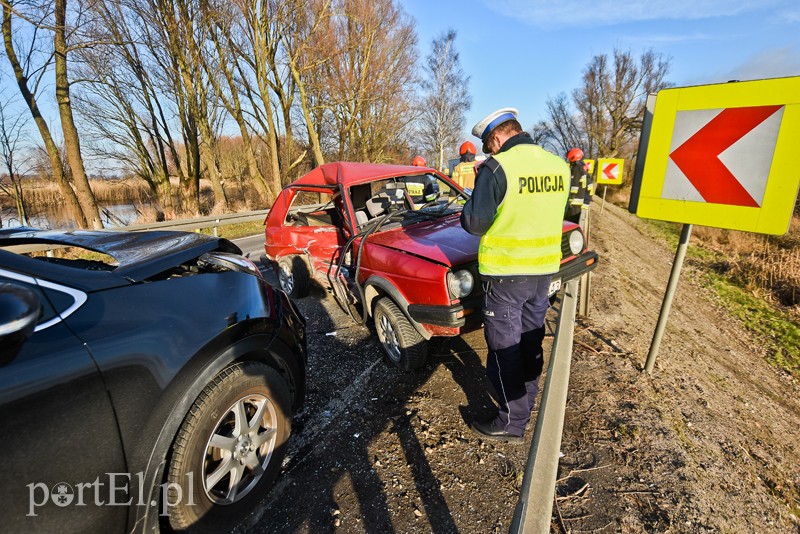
[566,13]
[789,16]
[667,38]
[773,63]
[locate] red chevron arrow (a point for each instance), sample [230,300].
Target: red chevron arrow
[698,157]
[609,171]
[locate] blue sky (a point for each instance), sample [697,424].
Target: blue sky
[519,53]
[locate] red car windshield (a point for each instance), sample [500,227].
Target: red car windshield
[424,195]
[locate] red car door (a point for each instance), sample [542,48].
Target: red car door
[307,221]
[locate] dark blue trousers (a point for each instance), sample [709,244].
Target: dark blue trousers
[513,322]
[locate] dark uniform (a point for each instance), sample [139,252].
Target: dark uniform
[579,195]
[517,207]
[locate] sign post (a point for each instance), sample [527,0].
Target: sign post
[672,286]
[718,155]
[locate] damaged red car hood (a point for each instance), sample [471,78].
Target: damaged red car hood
[443,241]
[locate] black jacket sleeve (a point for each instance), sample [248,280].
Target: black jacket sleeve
[490,189]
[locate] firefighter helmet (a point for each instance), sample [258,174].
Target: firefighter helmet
[575,154]
[419,161]
[466,148]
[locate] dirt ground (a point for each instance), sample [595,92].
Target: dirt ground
[708,443]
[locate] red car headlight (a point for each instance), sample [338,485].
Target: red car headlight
[460,283]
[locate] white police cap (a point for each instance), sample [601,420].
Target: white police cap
[492,121]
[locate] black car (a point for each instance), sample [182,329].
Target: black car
[147,384]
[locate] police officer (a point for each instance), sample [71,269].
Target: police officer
[464,172]
[580,194]
[517,208]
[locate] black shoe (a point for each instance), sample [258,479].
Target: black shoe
[489,430]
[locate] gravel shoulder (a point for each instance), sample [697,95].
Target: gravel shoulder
[709,442]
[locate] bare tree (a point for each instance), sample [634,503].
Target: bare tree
[11,128]
[563,129]
[611,101]
[29,77]
[368,86]
[308,47]
[120,107]
[254,46]
[446,98]
[604,117]
[224,22]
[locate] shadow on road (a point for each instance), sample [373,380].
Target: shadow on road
[356,454]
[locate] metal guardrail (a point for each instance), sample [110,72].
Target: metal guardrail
[535,506]
[197,223]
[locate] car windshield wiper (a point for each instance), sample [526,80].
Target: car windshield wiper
[442,209]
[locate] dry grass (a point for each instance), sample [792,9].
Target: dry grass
[767,264]
[762,264]
[41,193]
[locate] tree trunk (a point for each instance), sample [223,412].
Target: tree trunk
[234,107]
[19,201]
[71,140]
[209,158]
[316,149]
[190,181]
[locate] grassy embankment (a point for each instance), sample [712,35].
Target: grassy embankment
[755,277]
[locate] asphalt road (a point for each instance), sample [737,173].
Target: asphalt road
[252,247]
[345,362]
[358,406]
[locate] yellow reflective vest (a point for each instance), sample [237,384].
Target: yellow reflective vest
[464,174]
[525,236]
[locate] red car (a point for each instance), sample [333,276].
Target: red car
[387,240]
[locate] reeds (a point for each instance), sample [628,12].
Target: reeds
[765,264]
[42,193]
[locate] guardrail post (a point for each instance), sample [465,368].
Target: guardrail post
[535,507]
[586,279]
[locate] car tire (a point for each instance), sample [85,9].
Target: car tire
[294,276]
[403,346]
[220,441]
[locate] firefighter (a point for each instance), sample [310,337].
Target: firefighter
[464,172]
[517,207]
[580,194]
[419,161]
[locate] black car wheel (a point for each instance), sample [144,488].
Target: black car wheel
[401,342]
[294,276]
[229,448]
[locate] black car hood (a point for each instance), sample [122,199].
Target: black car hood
[140,255]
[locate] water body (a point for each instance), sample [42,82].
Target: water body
[57,217]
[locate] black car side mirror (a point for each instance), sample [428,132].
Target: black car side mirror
[19,312]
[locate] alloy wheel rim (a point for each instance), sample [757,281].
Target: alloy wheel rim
[286,279]
[389,339]
[239,449]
